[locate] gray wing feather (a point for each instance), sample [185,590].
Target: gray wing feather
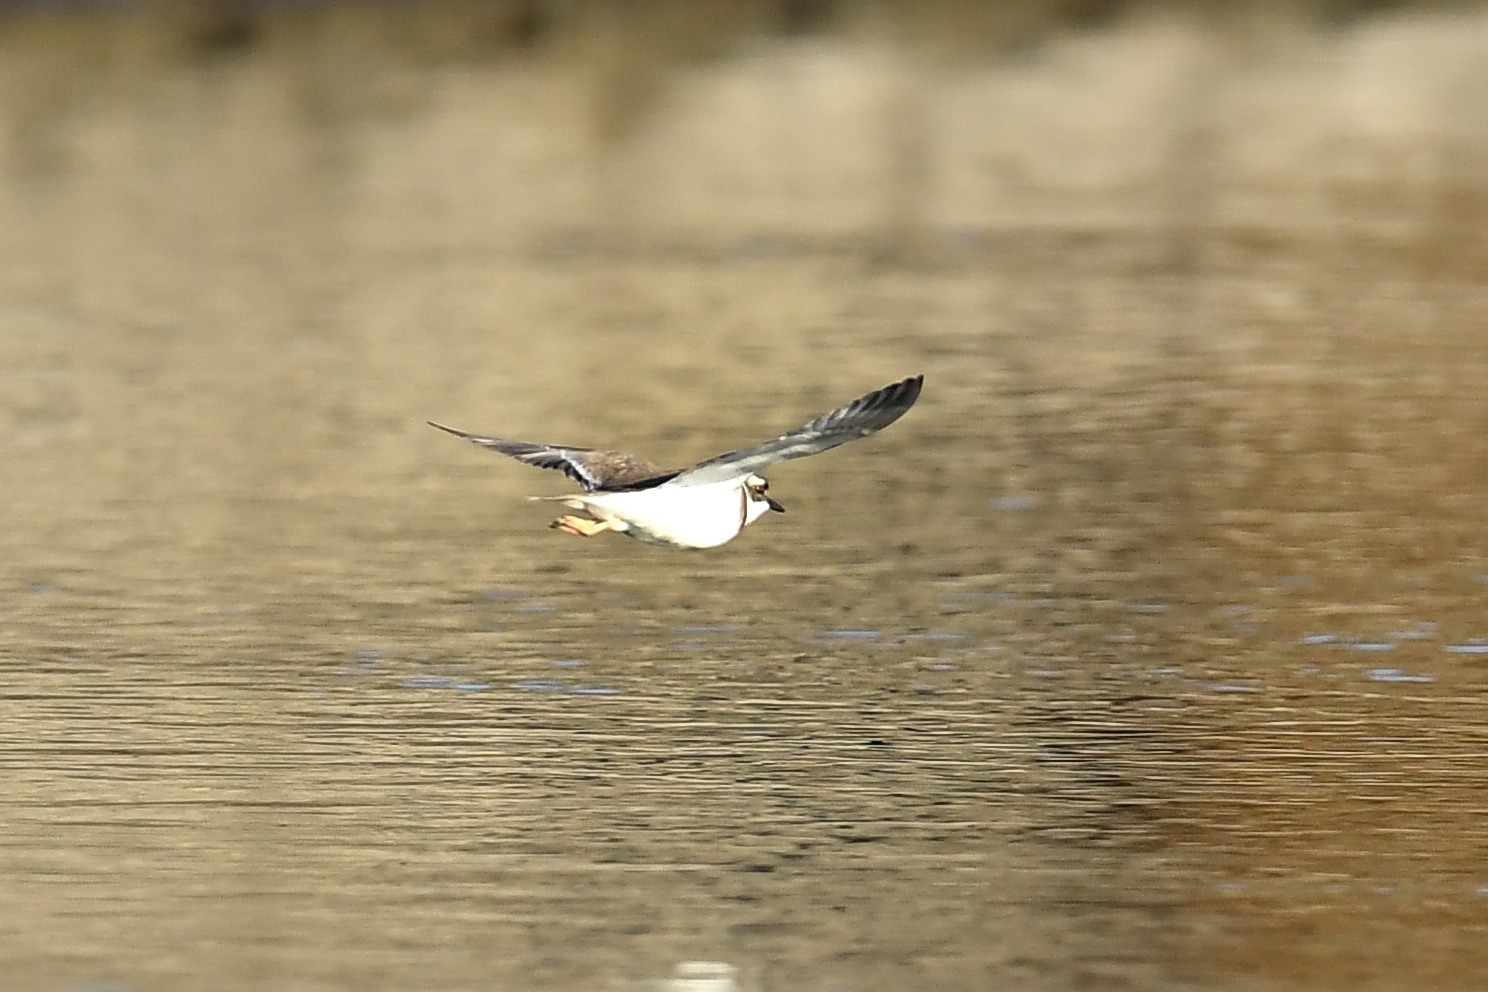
[590,469]
[863,416]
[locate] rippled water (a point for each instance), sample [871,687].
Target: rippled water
[1146,652]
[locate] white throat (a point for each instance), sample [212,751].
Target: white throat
[755,509]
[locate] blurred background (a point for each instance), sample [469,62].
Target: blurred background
[1146,652]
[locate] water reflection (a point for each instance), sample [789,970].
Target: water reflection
[703,976]
[1141,653]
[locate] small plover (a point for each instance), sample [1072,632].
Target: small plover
[699,507]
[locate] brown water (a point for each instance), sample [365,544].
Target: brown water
[1147,652]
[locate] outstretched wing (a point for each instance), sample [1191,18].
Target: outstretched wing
[863,416]
[593,470]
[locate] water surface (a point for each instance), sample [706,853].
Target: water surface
[1146,652]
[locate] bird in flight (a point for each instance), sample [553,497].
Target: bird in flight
[699,507]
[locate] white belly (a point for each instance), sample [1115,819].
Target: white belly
[681,516]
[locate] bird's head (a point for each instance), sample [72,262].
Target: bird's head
[757,491]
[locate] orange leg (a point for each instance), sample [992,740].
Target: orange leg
[580,526]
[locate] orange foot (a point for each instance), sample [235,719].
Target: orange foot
[581,526]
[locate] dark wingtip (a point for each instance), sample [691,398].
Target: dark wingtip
[900,395]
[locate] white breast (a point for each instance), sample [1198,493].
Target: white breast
[682,516]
